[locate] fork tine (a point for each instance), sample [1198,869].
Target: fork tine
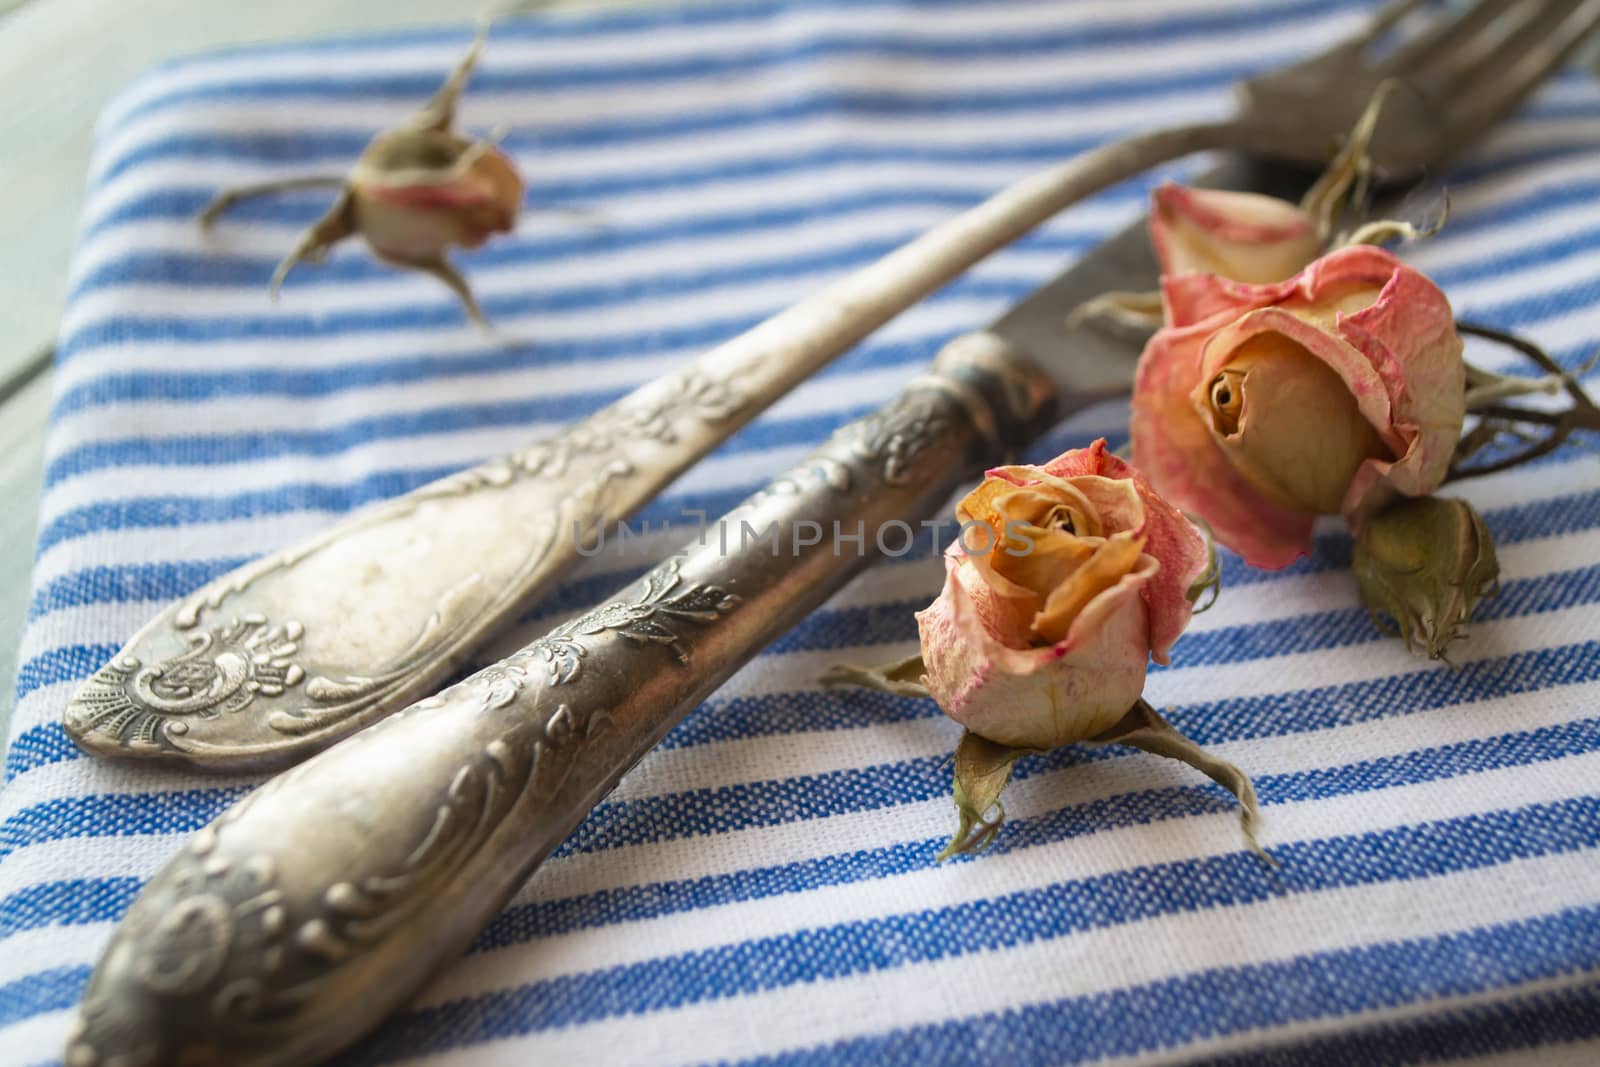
[1500,95]
[1416,55]
[1496,48]
[1386,20]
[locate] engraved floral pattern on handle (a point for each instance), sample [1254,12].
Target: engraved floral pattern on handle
[178,707]
[221,930]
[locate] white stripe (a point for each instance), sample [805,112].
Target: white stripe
[1076,858]
[1578,1054]
[734,251]
[669,42]
[1078,964]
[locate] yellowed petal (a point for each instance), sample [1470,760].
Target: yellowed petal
[1051,557]
[1289,424]
[1111,561]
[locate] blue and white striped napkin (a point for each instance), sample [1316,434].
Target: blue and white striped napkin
[763,886]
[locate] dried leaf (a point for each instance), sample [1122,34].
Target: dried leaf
[1144,728]
[982,770]
[903,677]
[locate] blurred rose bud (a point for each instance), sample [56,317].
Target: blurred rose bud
[1259,407]
[1245,237]
[417,193]
[1426,563]
[1067,579]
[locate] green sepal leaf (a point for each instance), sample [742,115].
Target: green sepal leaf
[982,769]
[903,677]
[1144,728]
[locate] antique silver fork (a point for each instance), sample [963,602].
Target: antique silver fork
[287,654]
[323,901]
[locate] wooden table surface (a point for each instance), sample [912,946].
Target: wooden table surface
[63,60]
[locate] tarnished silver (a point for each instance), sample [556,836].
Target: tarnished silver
[288,654]
[324,900]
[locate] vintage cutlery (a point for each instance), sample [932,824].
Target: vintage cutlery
[288,654]
[324,900]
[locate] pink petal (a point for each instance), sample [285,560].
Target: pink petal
[1243,236]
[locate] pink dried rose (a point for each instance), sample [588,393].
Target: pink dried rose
[1066,581]
[1041,636]
[1246,237]
[1259,407]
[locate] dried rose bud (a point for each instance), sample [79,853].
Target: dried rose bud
[1259,407]
[1425,563]
[1044,628]
[1041,637]
[417,191]
[1246,237]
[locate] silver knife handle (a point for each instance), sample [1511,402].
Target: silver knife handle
[314,907]
[286,655]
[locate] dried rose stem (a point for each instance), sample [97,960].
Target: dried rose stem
[1582,415]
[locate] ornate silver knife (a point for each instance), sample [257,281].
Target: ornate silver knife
[325,900]
[282,657]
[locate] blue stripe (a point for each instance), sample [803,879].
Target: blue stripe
[54,990]
[1016,919]
[236,448]
[72,902]
[64,664]
[127,582]
[888,623]
[1554,1017]
[1331,552]
[651,900]
[1213,1003]
[325,149]
[114,815]
[220,268]
[327,141]
[299,210]
[647,74]
[750,805]
[174,511]
[39,746]
[168,512]
[441,312]
[130,582]
[105,899]
[251,447]
[200,271]
[332,379]
[782,801]
[131,328]
[327,146]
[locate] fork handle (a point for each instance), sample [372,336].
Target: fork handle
[314,907]
[286,655]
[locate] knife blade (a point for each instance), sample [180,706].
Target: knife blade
[287,654]
[320,903]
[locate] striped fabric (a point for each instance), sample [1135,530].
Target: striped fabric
[762,888]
